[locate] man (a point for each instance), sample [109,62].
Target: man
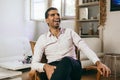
[59,47]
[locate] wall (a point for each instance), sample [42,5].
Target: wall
[30,26]
[14,19]
[11,18]
[112,31]
[15,27]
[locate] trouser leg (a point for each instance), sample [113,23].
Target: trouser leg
[43,76]
[77,70]
[67,69]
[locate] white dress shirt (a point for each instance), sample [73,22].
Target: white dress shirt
[57,48]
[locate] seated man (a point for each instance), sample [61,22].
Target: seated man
[58,44]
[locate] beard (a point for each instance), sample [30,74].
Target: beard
[56,24]
[56,27]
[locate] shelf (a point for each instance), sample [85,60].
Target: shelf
[89,20]
[89,36]
[87,17]
[89,4]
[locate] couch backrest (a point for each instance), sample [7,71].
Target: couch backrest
[95,44]
[14,48]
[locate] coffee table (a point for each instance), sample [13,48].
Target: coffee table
[5,74]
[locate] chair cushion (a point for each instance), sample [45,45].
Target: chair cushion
[95,45]
[84,57]
[86,63]
[14,46]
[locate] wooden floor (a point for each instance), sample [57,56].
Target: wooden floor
[92,76]
[88,75]
[85,76]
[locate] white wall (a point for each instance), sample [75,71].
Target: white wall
[11,18]
[15,27]
[112,31]
[30,26]
[14,19]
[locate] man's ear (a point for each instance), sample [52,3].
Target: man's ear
[46,20]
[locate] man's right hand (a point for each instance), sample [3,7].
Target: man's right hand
[49,69]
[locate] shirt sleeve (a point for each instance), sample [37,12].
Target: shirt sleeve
[38,52]
[81,45]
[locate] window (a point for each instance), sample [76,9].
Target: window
[38,8]
[66,8]
[55,4]
[69,8]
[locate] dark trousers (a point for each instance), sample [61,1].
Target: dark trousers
[67,69]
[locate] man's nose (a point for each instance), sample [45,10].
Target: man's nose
[57,16]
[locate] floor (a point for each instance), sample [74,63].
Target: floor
[86,76]
[90,75]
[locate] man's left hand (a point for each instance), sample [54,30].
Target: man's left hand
[103,69]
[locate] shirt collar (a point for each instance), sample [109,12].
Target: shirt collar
[62,30]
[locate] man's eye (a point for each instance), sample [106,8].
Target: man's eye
[58,14]
[55,14]
[52,14]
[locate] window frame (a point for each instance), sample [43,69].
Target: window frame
[49,4]
[64,16]
[32,18]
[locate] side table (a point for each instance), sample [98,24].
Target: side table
[5,74]
[112,60]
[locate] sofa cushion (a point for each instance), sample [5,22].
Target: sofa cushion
[95,45]
[14,52]
[14,48]
[84,57]
[86,63]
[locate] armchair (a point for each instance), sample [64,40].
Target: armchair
[34,75]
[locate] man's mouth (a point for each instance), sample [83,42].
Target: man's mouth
[57,20]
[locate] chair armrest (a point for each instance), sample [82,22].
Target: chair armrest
[33,75]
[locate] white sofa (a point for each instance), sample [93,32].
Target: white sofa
[96,45]
[14,49]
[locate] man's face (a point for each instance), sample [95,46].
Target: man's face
[53,19]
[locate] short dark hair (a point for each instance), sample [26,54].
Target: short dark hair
[49,9]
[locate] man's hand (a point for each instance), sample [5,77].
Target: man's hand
[49,69]
[103,69]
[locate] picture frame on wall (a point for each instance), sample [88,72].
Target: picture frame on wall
[115,5]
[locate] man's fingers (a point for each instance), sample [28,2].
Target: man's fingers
[104,71]
[54,67]
[108,72]
[100,71]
